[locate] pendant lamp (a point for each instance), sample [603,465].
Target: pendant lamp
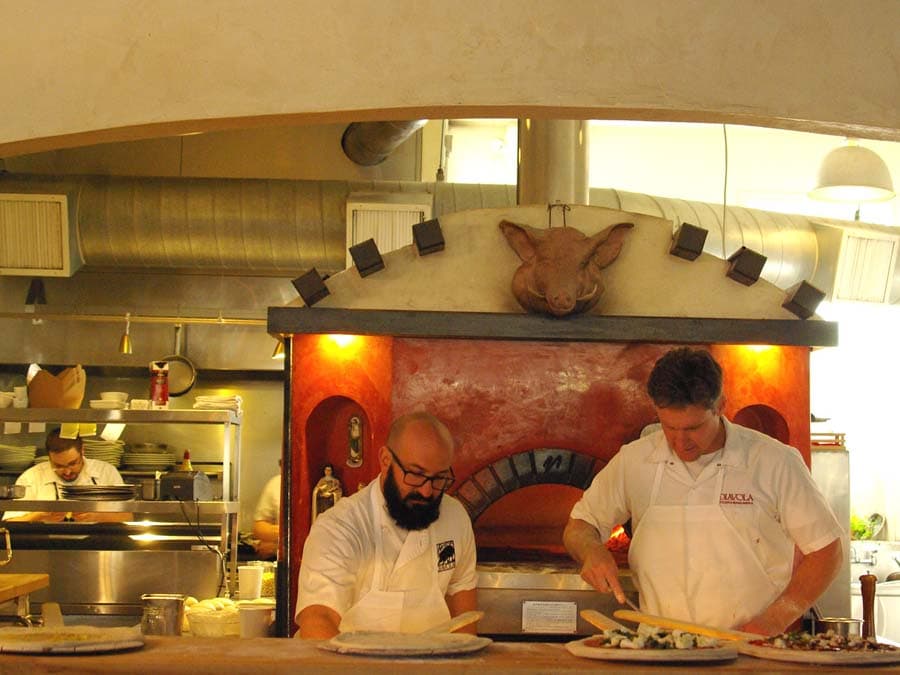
[853,173]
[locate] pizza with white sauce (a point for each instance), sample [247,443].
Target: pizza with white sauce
[651,637]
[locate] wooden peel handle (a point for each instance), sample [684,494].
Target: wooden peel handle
[867,590]
[673,624]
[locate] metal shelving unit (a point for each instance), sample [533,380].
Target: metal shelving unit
[228,508]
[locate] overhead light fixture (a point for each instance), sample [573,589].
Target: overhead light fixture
[311,287]
[803,299]
[688,241]
[428,236]
[366,257]
[854,174]
[745,266]
[125,341]
[36,294]
[278,354]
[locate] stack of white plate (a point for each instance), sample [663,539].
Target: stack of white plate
[148,461]
[16,458]
[108,451]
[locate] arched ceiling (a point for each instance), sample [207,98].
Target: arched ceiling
[99,70]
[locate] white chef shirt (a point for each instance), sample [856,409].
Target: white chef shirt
[269,501]
[338,556]
[40,480]
[759,471]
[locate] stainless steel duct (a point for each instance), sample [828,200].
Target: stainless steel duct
[284,227]
[553,162]
[236,226]
[370,143]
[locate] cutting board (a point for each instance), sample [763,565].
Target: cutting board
[14,585]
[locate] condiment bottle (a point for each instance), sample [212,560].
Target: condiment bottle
[186,462]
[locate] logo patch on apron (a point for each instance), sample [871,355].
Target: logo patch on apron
[739,498]
[446,556]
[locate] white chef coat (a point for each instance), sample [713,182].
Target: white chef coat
[269,503]
[341,565]
[40,480]
[760,487]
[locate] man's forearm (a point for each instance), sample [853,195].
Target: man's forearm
[811,577]
[580,538]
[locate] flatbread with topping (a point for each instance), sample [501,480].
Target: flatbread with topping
[829,648]
[651,643]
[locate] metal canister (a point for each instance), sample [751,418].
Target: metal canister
[163,613]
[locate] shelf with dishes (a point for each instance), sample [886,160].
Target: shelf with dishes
[147,461]
[210,508]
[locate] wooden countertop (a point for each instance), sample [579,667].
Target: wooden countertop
[14,585]
[211,656]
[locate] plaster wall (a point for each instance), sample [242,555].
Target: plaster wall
[104,70]
[474,272]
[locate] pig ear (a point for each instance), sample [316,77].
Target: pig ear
[521,238]
[608,244]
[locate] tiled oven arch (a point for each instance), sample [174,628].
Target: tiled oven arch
[530,467]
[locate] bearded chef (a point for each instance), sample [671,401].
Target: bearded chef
[398,555]
[729,529]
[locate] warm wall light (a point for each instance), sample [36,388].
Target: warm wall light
[125,341]
[279,349]
[854,174]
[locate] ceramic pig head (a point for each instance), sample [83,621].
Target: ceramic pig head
[560,270]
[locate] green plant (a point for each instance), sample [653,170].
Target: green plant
[859,528]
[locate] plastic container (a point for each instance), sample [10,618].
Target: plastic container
[215,622]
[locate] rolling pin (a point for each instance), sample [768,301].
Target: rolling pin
[867,590]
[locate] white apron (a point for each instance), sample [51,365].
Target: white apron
[690,563]
[405,598]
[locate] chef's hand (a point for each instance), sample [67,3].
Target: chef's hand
[598,568]
[601,572]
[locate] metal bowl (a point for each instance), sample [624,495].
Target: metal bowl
[840,626]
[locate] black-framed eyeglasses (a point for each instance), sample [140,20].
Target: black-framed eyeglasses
[415,479]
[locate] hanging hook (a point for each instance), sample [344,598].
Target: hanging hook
[562,207]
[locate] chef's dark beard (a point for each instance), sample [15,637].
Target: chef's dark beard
[410,515]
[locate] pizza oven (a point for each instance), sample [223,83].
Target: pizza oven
[534,417]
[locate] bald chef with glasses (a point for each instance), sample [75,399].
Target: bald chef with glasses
[399,555]
[65,465]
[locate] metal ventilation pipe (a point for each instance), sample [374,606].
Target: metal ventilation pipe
[370,143]
[553,162]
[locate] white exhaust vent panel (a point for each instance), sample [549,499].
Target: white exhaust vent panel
[35,236]
[865,268]
[386,218]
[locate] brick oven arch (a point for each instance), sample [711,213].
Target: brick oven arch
[530,467]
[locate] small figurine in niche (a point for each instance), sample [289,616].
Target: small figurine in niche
[354,436]
[326,493]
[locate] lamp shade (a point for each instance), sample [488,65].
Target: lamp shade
[853,174]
